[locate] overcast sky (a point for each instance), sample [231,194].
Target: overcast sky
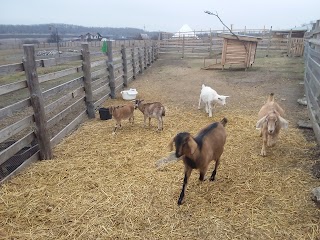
[164,15]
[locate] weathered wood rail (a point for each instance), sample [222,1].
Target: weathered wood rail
[28,128]
[208,44]
[312,77]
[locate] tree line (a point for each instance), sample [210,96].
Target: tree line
[71,30]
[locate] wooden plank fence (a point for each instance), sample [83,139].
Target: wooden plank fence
[312,77]
[208,44]
[28,129]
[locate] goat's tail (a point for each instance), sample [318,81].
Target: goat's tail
[271,97]
[224,121]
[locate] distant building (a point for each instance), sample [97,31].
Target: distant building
[143,36]
[91,37]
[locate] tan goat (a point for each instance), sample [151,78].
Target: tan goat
[270,122]
[199,151]
[151,110]
[121,113]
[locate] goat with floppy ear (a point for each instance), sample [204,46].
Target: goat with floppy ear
[270,122]
[197,152]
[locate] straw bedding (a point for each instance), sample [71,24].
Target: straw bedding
[104,186]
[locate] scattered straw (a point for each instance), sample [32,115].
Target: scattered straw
[105,186]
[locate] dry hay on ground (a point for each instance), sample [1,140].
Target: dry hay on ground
[101,186]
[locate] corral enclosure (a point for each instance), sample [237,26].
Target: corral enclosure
[104,186]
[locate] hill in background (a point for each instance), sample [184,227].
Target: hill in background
[68,31]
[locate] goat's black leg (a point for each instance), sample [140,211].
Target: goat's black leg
[213,175]
[185,182]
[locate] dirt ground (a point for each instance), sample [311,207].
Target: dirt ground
[101,186]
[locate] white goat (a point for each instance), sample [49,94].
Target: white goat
[209,97]
[270,122]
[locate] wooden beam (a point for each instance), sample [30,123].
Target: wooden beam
[16,147]
[37,102]
[74,83]
[35,157]
[124,66]
[69,128]
[59,74]
[15,128]
[11,68]
[11,87]
[58,117]
[111,70]
[86,66]
[11,109]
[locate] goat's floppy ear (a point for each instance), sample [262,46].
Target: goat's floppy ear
[192,145]
[171,144]
[260,122]
[283,123]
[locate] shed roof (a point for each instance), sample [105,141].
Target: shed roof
[241,37]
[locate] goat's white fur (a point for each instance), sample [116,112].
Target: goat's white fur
[209,96]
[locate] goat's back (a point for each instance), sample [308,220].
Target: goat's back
[211,140]
[123,112]
[155,109]
[270,106]
[208,94]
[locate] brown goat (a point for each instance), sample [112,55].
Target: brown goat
[121,113]
[270,122]
[151,110]
[200,150]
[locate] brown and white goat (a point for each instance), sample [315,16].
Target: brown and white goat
[121,113]
[200,150]
[151,110]
[270,122]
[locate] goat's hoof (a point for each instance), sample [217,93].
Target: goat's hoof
[211,179]
[263,154]
[179,202]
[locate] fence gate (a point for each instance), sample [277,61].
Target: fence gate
[296,47]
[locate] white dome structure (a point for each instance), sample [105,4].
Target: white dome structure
[185,31]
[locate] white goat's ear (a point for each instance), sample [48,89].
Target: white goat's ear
[192,145]
[260,122]
[283,123]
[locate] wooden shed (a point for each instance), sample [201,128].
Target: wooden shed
[238,50]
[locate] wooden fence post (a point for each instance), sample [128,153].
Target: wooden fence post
[86,67]
[145,55]
[140,61]
[289,44]
[211,44]
[133,62]
[37,102]
[269,42]
[149,55]
[182,46]
[152,53]
[111,70]
[125,65]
